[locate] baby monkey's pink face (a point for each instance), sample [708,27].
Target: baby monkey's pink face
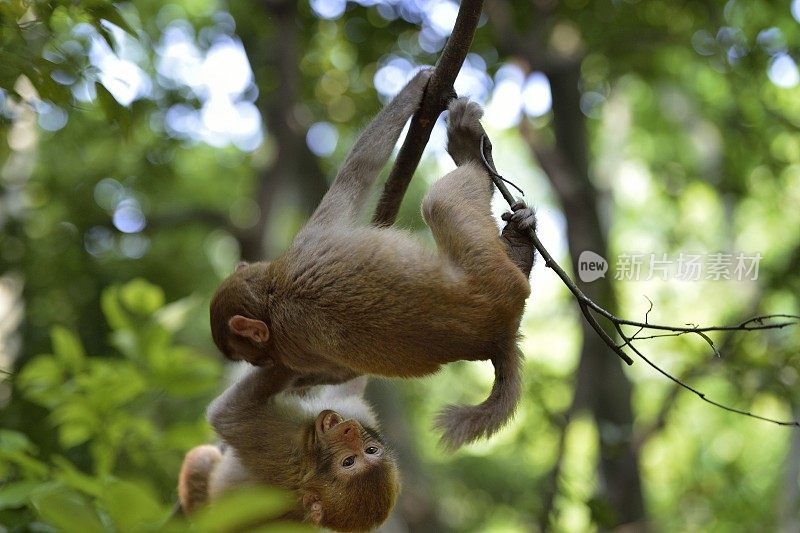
[353,447]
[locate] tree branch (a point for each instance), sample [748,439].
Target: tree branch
[588,306]
[437,95]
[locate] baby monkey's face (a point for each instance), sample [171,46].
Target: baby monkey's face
[351,447]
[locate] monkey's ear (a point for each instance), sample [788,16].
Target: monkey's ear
[255,330]
[241,264]
[313,506]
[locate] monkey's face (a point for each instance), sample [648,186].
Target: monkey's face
[355,481]
[351,448]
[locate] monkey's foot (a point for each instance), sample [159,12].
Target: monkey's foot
[516,236]
[464,131]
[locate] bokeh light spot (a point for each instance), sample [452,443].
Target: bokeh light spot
[322,138]
[783,71]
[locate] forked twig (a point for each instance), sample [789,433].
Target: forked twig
[588,307]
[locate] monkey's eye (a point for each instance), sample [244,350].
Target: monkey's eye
[372,450]
[349,461]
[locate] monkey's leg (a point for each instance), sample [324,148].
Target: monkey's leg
[464,137]
[457,210]
[369,154]
[195,475]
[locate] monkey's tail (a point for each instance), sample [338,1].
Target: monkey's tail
[461,424]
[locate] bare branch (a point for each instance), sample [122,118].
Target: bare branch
[437,95]
[702,394]
[588,306]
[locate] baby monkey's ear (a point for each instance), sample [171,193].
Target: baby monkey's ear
[241,264]
[251,328]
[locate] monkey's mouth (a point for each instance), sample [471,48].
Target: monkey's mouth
[328,419]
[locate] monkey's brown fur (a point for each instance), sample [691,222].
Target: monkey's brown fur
[296,442]
[348,298]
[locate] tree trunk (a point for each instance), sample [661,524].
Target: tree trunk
[295,170]
[601,386]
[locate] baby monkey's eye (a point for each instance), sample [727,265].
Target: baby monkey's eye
[371,450]
[349,461]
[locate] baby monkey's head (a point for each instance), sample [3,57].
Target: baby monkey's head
[238,313]
[352,478]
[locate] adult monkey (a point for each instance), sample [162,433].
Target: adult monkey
[323,445]
[348,299]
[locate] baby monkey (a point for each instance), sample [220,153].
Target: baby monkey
[348,299]
[323,445]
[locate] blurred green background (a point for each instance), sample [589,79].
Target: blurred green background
[145,147]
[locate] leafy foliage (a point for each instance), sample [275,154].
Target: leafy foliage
[693,146]
[127,416]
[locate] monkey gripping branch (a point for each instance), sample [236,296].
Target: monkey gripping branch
[439,93]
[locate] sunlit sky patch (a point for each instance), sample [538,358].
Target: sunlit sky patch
[783,71]
[220,78]
[123,78]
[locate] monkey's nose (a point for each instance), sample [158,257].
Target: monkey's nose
[349,431]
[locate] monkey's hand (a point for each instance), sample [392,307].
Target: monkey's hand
[516,237]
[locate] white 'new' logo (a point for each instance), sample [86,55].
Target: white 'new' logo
[591,266]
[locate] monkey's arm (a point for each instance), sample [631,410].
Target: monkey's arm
[346,196]
[237,415]
[519,245]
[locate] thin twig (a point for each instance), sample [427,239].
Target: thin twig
[587,305]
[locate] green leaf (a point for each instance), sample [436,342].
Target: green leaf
[131,507]
[16,494]
[41,381]
[173,317]
[183,372]
[71,435]
[113,110]
[30,466]
[74,478]
[241,508]
[14,441]
[109,385]
[142,297]
[127,342]
[67,348]
[111,13]
[116,316]
[17,449]
[66,509]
